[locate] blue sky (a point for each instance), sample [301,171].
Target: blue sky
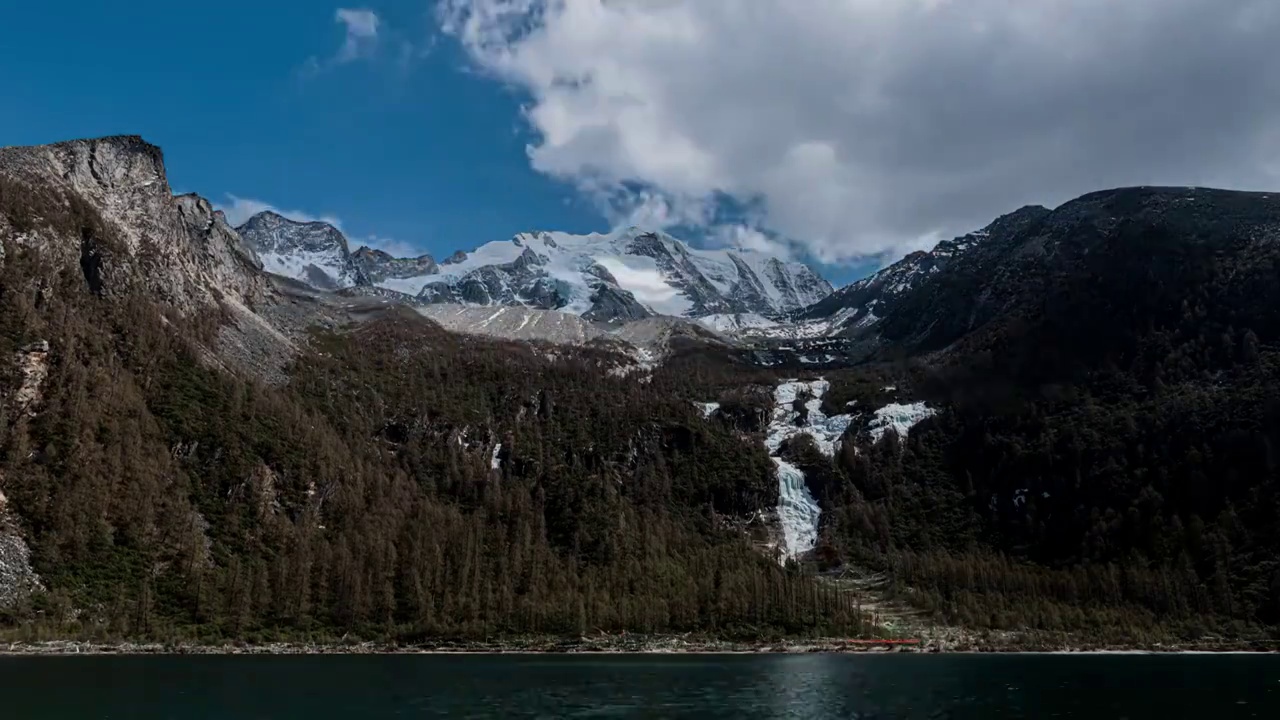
[396,136]
[400,142]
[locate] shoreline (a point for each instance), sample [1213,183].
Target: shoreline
[650,646]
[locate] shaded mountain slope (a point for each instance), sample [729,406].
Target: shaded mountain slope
[1109,413]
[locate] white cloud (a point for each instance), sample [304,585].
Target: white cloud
[361,41]
[395,248]
[746,237]
[362,33]
[863,127]
[649,210]
[238,210]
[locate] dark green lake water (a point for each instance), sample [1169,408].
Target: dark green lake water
[704,687]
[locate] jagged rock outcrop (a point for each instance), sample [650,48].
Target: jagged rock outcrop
[376,266]
[610,303]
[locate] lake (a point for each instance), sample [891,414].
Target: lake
[655,686]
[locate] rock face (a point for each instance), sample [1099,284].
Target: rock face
[32,363]
[514,323]
[179,248]
[650,337]
[17,579]
[610,303]
[617,277]
[104,209]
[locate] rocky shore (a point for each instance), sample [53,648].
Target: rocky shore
[633,645]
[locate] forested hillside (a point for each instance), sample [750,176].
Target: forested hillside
[1106,458]
[403,483]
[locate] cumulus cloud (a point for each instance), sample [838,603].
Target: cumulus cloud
[238,210]
[648,209]
[869,127]
[746,237]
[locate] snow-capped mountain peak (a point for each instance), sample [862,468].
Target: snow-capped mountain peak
[622,275]
[314,252]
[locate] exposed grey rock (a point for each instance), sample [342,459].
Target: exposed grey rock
[314,252]
[176,248]
[610,303]
[375,266]
[515,323]
[32,363]
[674,262]
[657,334]
[17,579]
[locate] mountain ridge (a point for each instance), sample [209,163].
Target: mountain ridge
[627,274]
[1065,424]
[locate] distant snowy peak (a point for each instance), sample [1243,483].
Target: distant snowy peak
[314,252]
[619,276]
[623,275]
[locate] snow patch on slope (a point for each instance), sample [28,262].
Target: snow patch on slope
[408,286]
[806,329]
[727,322]
[900,418]
[640,276]
[297,264]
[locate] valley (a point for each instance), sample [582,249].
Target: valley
[1055,431]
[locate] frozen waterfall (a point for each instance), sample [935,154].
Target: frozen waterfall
[798,511]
